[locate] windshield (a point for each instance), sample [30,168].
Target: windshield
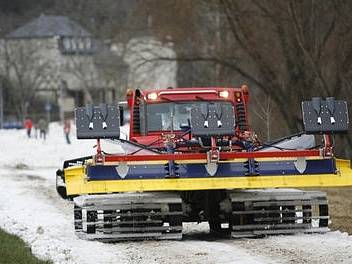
[174,116]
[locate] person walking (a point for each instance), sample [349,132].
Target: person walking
[36,130]
[42,125]
[28,124]
[67,130]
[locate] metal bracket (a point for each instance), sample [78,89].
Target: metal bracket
[301,164]
[122,170]
[212,162]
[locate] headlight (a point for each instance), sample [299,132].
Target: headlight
[152,96]
[224,94]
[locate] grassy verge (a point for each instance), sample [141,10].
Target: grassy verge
[14,250]
[340,208]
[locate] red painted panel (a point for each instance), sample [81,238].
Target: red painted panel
[223,155]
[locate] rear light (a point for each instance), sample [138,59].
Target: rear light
[224,94]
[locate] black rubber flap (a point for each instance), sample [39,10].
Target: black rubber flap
[325,116]
[98,121]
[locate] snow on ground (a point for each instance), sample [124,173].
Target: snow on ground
[30,208]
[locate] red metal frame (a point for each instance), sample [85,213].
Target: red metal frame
[222,155]
[99,157]
[328,147]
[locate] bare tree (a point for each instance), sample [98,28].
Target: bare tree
[263,111]
[299,49]
[26,71]
[290,50]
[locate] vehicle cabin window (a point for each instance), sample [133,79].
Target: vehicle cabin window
[174,116]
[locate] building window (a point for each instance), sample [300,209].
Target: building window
[67,44]
[81,45]
[76,45]
[88,44]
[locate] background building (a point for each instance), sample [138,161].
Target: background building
[52,61]
[53,64]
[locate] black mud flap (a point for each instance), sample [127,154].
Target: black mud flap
[60,184]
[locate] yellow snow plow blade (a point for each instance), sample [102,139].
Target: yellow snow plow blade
[77,182]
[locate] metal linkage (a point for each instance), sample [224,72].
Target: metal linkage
[265,212]
[128,216]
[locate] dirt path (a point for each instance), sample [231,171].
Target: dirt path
[44,220]
[340,207]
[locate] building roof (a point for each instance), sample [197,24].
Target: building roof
[49,26]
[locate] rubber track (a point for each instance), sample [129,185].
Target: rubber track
[278,211]
[128,216]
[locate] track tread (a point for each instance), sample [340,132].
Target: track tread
[127,216]
[270,212]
